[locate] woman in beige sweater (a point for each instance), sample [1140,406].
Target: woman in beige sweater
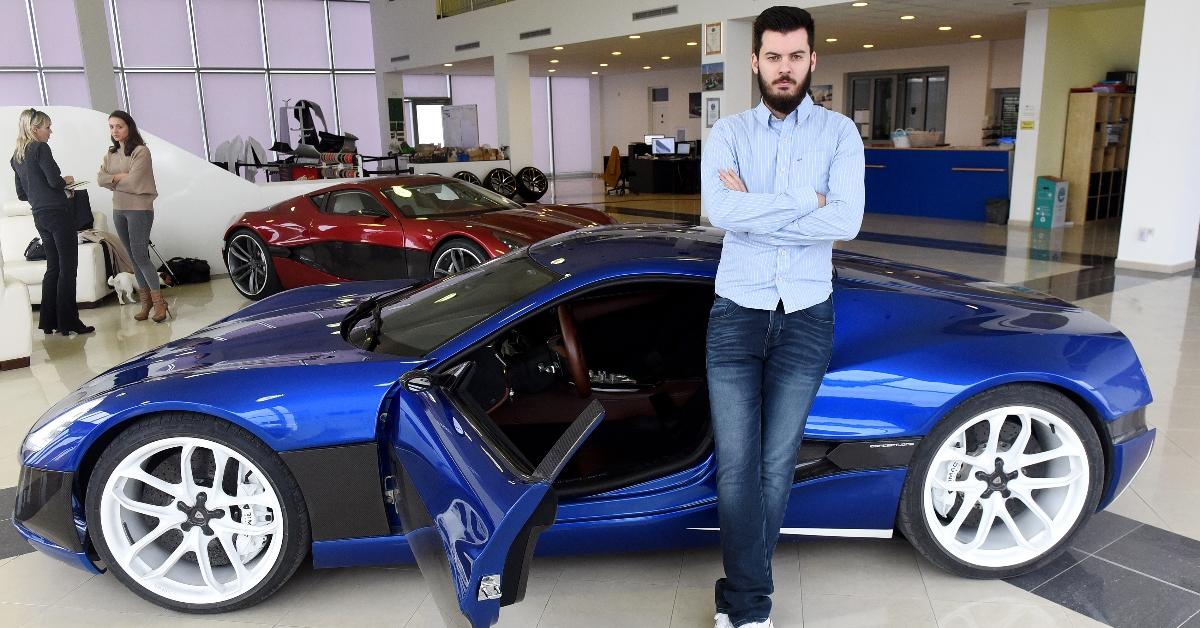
[128,171]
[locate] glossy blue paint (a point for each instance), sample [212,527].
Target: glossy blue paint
[910,344]
[1127,459]
[78,560]
[937,183]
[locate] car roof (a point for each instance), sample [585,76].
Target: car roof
[595,248]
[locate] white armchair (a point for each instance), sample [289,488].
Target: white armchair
[16,343]
[17,229]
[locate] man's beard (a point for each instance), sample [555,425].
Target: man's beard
[783,103]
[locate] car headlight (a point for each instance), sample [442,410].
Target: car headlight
[40,436]
[509,241]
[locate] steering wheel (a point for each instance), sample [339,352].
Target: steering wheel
[576,364]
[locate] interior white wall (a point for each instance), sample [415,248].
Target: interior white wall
[539,119]
[625,99]
[572,125]
[196,201]
[481,92]
[967,97]
[1005,62]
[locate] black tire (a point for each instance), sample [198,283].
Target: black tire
[469,177]
[532,184]
[454,256]
[250,265]
[501,181]
[295,528]
[913,525]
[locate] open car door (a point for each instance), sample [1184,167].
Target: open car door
[471,504]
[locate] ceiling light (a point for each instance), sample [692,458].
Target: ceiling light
[604,65]
[594,72]
[448,65]
[908,17]
[976,36]
[831,39]
[635,36]
[868,45]
[665,57]
[554,61]
[945,28]
[693,43]
[645,67]
[616,53]
[551,70]
[859,4]
[558,47]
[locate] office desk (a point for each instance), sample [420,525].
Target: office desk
[665,176]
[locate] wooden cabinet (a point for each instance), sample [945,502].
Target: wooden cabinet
[1096,154]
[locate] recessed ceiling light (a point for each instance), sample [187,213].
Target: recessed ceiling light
[976,36]
[558,47]
[945,28]
[635,36]
[616,53]
[594,72]
[665,57]
[645,67]
[693,43]
[448,65]
[554,61]
[831,39]
[908,17]
[604,65]
[859,4]
[868,45]
[551,70]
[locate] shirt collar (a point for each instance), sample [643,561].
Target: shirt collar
[795,118]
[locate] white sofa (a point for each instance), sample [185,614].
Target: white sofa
[16,343]
[17,229]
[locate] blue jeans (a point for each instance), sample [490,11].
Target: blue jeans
[764,369]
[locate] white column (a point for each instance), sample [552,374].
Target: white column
[1033,71]
[740,91]
[513,107]
[1162,191]
[97,54]
[599,150]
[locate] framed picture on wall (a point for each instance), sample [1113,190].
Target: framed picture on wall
[694,105]
[712,38]
[712,76]
[712,111]
[823,95]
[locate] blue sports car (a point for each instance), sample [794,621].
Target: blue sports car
[554,399]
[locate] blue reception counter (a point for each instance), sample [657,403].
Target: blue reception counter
[936,182]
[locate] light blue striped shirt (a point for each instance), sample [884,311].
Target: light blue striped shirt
[778,244]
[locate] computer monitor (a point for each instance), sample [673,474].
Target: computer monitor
[650,138]
[663,146]
[683,148]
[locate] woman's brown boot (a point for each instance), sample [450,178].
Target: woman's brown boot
[161,311]
[144,313]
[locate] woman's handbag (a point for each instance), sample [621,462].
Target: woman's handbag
[35,251]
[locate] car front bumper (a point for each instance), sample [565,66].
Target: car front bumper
[49,516]
[1130,445]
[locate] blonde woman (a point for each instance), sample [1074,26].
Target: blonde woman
[129,173]
[40,182]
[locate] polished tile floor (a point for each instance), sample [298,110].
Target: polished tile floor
[1136,565]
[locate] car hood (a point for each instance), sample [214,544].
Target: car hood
[293,328]
[531,223]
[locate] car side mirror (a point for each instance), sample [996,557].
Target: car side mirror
[421,380]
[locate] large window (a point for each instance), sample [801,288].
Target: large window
[202,72]
[41,62]
[897,99]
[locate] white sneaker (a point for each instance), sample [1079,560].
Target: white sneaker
[722,621]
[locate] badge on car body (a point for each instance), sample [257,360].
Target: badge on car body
[489,588]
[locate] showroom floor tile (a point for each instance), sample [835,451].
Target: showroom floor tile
[1138,564]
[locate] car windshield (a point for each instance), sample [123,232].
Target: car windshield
[413,324]
[451,197]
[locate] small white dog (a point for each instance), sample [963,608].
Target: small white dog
[123,284]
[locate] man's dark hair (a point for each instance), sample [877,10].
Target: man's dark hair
[783,20]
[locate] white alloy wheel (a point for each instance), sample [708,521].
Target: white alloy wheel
[192,520]
[1006,487]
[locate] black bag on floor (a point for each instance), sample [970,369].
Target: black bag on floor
[35,251]
[181,270]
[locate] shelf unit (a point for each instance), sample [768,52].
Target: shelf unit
[1096,156]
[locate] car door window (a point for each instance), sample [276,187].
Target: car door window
[354,204]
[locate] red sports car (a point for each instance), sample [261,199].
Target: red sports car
[385,228]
